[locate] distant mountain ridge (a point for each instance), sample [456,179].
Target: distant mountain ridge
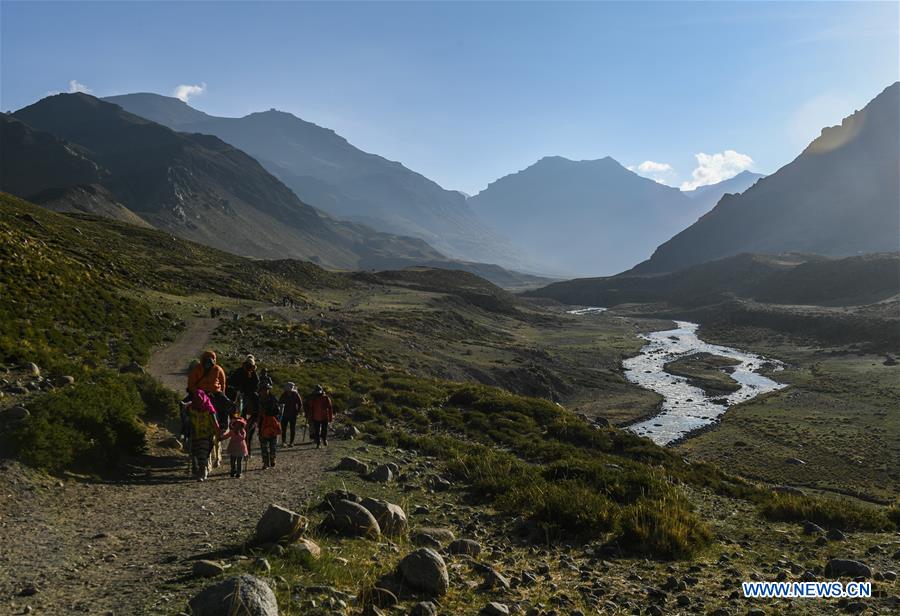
[586,217]
[195,186]
[328,172]
[706,197]
[839,197]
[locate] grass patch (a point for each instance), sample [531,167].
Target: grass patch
[841,514]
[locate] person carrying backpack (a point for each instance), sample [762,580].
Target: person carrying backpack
[319,413]
[269,425]
[292,404]
[204,429]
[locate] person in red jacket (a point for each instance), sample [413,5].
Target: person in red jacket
[319,413]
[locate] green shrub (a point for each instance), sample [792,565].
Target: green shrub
[662,528]
[159,401]
[842,514]
[88,425]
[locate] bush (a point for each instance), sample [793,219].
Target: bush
[842,514]
[89,425]
[662,528]
[159,401]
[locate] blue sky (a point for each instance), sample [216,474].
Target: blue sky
[466,93]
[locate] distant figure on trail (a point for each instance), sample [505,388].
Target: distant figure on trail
[204,429]
[319,413]
[237,443]
[292,404]
[269,424]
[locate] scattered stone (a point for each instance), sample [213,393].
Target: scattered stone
[132,368]
[683,600]
[14,413]
[382,474]
[426,571]
[835,535]
[64,381]
[305,550]
[423,608]
[444,535]
[495,579]
[425,540]
[332,498]
[263,564]
[350,518]
[279,524]
[795,461]
[382,597]
[811,528]
[245,595]
[353,465]
[390,517]
[31,369]
[890,576]
[494,609]
[439,484]
[465,546]
[837,567]
[28,591]
[207,569]
[170,443]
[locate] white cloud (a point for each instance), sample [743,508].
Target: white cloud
[662,173]
[74,86]
[184,92]
[713,168]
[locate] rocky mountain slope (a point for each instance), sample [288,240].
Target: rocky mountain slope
[325,170]
[706,197]
[585,217]
[200,187]
[838,197]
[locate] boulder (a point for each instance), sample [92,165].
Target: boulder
[424,608]
[494,609]
[382,474]
[465,546]
[789,490]
[811,528]
[278,524]
[838,567]
[444,535]
[63,381]
[132,368]
[305,550]
[207,569]
[425,540]
[391,518]
[835,535]
[354,465]
[15,413]
[31,369]
[244,595]
[349,518]
[332,498]
[425,571]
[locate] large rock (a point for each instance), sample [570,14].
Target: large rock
[245,595]
[334,497]
[425,571]
[132,368]
[31,369]
[465,546]
[382,474]
[391,518]
[354,465]
[305,550]
[494,609]
[349,518]
[444,535]
[14,413]
[207,569]
[424,608]
[838,567]
[279,524]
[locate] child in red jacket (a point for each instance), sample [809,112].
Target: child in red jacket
[237,445]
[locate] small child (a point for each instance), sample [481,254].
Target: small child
[237,445]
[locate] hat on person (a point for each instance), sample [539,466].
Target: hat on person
[250,360]
[289,386]
[320,389]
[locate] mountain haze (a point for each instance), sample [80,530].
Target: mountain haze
[325,170]
[195,186]
[585,217]
[839,197]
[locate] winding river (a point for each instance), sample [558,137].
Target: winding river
[686,408]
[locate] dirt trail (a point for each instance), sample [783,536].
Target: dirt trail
[127,546]
[169,364]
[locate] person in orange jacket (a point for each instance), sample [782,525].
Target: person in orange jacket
[208,375]
[319,413]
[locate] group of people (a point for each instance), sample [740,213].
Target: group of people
[235,408]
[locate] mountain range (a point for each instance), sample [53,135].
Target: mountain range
[839,197]
[590,216]
[325,170]
[191,185]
